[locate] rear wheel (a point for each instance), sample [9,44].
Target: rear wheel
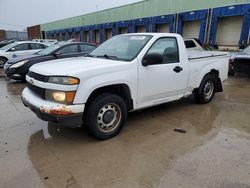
[205,93]
[2,62]
[106,116]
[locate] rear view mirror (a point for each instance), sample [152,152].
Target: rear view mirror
[152,59]
[13,49]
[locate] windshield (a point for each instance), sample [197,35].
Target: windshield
[8,46]
[247,50]
[49,49]
[121,47]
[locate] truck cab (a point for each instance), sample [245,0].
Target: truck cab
[126,73]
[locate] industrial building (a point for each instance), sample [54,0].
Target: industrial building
[223,23]
[18,35]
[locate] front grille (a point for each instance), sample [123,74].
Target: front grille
[37,90]
[38,77]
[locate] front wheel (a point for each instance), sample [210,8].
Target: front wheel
[205,93]
[106,115]
[2,62]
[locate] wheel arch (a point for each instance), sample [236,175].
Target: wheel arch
[3,57]
[121,90]
[216,74]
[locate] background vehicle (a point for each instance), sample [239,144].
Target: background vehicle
[46,41]
[18,67]
[193,44]
[6,42]
[240,62]
[126,73]
[17,49]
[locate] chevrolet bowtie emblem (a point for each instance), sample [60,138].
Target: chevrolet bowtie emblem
[31,81]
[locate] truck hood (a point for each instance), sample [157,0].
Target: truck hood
[74,66]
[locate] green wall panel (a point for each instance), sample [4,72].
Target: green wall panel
[142,9]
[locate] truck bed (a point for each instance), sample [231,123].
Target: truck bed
[194,54]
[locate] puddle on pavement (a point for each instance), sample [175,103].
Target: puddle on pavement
[146,146]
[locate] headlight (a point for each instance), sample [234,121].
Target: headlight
[65,97]
[19,64]
[63,80]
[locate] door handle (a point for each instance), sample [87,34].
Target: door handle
[177,69]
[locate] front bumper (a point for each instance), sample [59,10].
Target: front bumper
[13,74]
[66,115]
[241,66]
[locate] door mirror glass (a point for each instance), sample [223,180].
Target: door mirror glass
[152,59]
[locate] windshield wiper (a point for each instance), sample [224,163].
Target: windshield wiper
[108,56]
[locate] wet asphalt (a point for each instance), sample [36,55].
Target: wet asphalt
[148,153]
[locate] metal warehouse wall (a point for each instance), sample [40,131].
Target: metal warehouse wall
[16,35]
[142,9]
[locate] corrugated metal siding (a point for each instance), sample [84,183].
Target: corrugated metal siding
[142,9]
[16,35]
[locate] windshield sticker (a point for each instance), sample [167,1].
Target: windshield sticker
[137,38]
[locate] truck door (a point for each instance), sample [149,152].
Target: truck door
[167,78]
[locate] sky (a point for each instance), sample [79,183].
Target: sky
[19,14]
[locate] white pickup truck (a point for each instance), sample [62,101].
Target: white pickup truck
[126,73]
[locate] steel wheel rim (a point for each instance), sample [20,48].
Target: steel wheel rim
[2,62]
[109,117]
[208,90]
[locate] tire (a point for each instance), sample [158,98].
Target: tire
[205,93]
[2,62]
[106,116]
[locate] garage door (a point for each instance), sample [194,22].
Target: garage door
[191,29]
[86,36]
[108,34]
[162,28]
[96,37]
[77,36]
[70,35]
[229,30]
[123,30]
[63,36]
[140,29]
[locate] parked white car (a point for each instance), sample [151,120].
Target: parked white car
[18,49]
[46,41]
[126,73]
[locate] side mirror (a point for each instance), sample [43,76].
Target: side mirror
[57,54]
[152,59]
[13,49]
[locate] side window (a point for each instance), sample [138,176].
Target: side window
[167,48]
[70,49]
[35,46]
[43,46]
[87,48]
[189,44]
[21,47]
